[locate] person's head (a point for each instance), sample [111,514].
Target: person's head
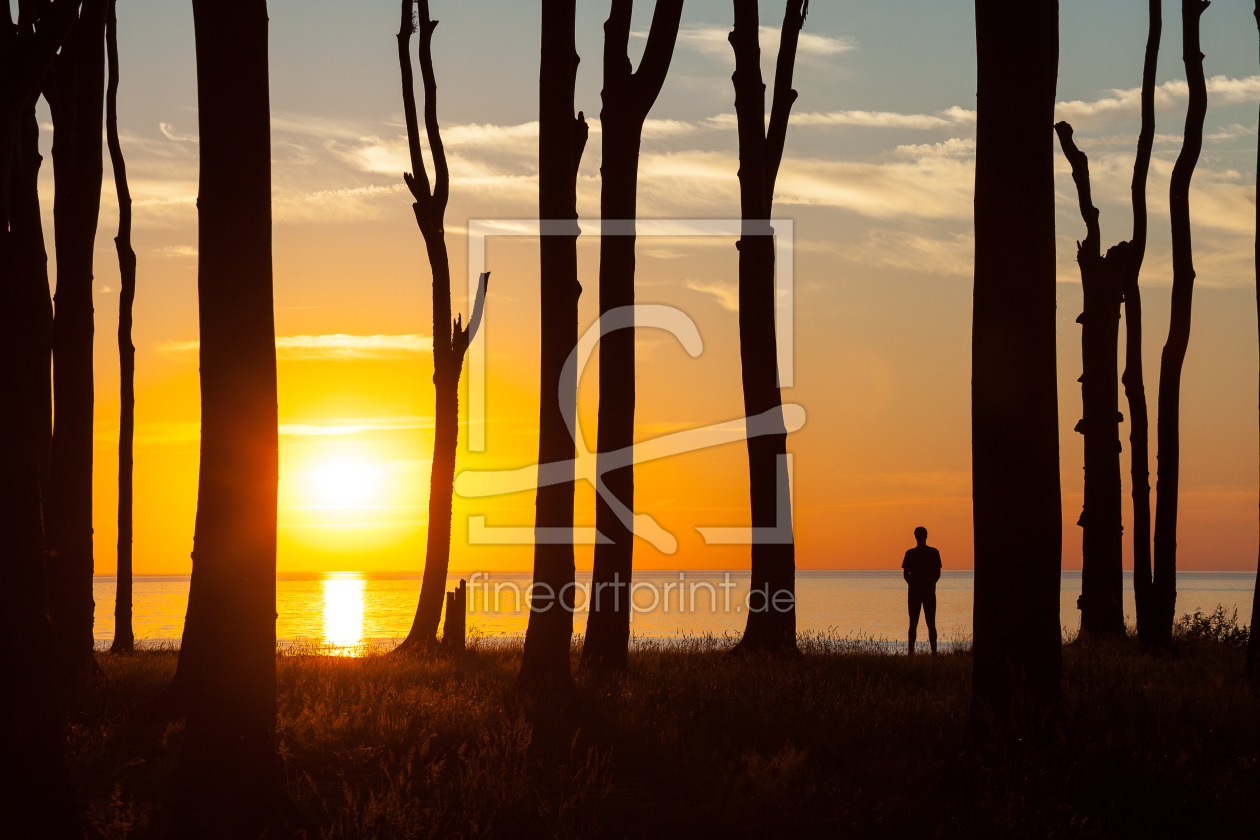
[920,535]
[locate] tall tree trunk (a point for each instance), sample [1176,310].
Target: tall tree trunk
[1014,400]
[450,340]
[75,90]
[627,98]
[1253,644]
[124,638]
[771,624]
[561,139]
[1168,428]
[1102,278]
[36,797]
[225,785]
[1134,386]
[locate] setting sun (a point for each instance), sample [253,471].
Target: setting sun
[345,483]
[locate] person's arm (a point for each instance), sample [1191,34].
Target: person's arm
[937,570]
[905,567]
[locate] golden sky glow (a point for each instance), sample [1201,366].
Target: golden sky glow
[877,179]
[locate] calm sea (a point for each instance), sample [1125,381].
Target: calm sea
[350,609]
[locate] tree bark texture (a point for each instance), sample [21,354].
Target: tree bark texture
[1168,428]
[36,797]
[561,140]
[1102,278]
[771,624]
[225,785]
[75,90]
[1017,509]
[124,637]
[628,96]
[1134,385]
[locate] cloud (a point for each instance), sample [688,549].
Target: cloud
[948,118]
[1222,90]
[177,251]
[168,131]
[727,294]
[712,40]
[1229,132]
[355,425]
[332,347]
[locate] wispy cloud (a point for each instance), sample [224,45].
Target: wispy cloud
[713,41]
[333,347]
[727,294]
[949,118]
[1222,90]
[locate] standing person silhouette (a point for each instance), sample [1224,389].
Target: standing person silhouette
[922,569]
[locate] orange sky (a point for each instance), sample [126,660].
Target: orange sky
[877,180]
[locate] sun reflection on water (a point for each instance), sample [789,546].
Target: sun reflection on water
[343,612]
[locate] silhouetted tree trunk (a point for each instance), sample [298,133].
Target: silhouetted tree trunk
[771,624]
[453,628]
[1253,644]
[1102,278]
[561,139]
[225,784]
[36,799]
[628,97]
[75,90]
[450,341]
[124,638]
[1168,429]
[1134,386]
[1014,401]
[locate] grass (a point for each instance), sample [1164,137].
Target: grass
[846,741]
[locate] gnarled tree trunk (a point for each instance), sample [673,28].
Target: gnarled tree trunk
[75,90]
[124,638]
[450,340]
[561,139]
[627,96]
[771,624]
[1134,386]
[1168,429]
[1014,394]
[1102,278]
[225,783]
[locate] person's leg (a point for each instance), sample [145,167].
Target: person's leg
[915,603]
[929,614]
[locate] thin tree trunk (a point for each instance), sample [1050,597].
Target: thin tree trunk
[1134,386]
[225,784]
[124,638]
[75,90]
[627,98]
[1253,644]
[1102,569]
[1168,429]
[36,798]
[561,139]
[1014,399]
[771,624]
[450,340]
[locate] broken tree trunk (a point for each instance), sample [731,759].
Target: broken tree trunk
[771,624]
[450,340]
[453,626]
[124,637]
[1168,429]
[627,97]
[1102,551]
